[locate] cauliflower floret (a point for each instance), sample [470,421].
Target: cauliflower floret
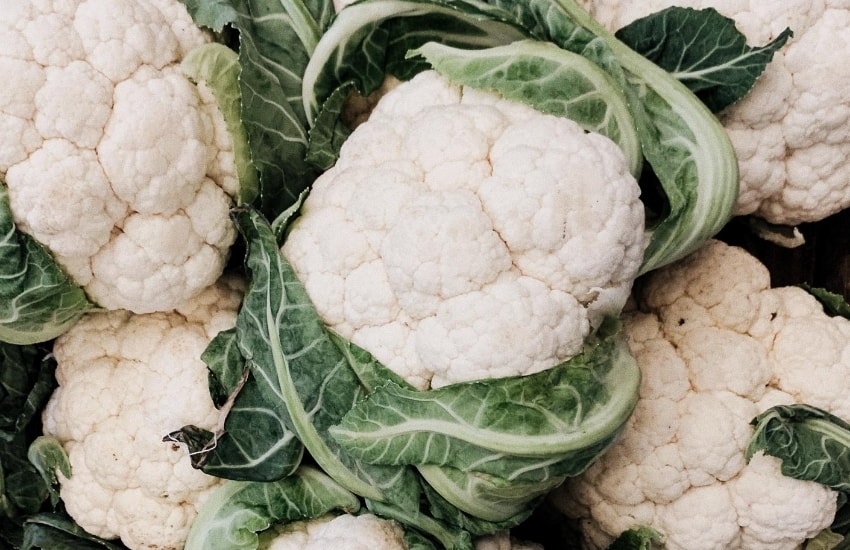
[361,532]
[716,347]
[113,159]
[125,381]
[789,132]
[462,236]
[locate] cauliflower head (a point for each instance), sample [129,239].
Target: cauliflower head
[348,531]
[789,132]
[113,159]
[461,236]
[125,381]
[716,347]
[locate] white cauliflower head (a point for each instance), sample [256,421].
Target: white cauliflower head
[351,532]
[790,131]
[463,236]
[125,381]
[716,347]
[113,159]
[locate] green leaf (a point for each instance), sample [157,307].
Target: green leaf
[486,497]
[226,366]
[367,40]
[289,350]
[704,50]
[826,540]
[212,14]
[46,454]
[218,67]
[38,301]
[812,444]
[562,418]
[254,444]
[235,512]
[639,538]
[276,41]
[59,532]
[550,79]
[329,132]
[449,537]
[26,382]
[22,489]
[833,304]
[473,498]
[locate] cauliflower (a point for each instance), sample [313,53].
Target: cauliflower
[789,132]
[125,381]
[463,236]
[113,159]
[345,531]
[716,346]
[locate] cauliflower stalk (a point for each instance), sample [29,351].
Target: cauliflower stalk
[681,466]
[113,160]
[462,236]
[124,382]
[789,131]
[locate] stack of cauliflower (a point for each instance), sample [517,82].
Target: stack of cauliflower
[716,346]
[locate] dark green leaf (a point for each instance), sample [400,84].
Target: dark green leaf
[58,532]
[255,443]
[812,444]
[833,304]
[226,366]
[22,489]
[277,39]
[26,382]
[639,538]
[704,50]
[329,130]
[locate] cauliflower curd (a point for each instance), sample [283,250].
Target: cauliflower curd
[345,531]
[716,347]
[462,236]
[125,381]
[113,159]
